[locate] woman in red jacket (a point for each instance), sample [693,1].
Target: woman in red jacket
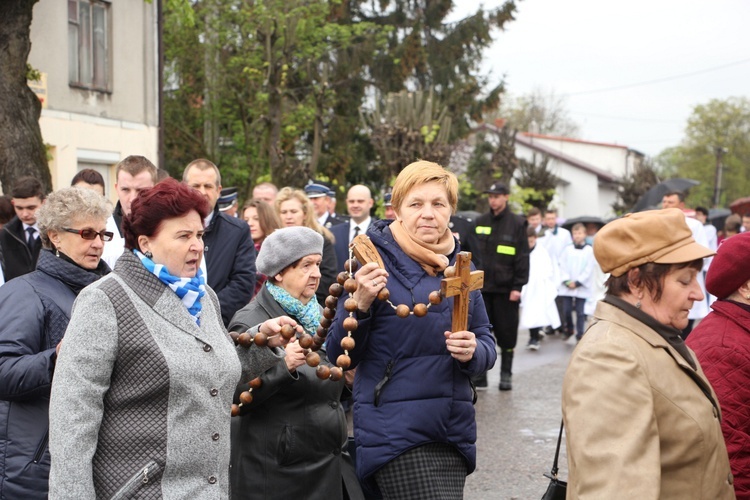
[722,343]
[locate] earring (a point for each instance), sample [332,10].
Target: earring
[57,254]
[638,305]
[149,255]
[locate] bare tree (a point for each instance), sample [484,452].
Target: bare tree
[538,112]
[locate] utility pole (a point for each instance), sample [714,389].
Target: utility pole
[717,177]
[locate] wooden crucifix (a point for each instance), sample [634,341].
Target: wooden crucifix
[458,285]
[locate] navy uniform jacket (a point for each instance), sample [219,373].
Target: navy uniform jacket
[503,250]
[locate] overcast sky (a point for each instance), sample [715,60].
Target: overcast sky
[577,47]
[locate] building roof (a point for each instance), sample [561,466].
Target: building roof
[527,139]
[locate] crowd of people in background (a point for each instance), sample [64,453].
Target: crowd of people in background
[120,358]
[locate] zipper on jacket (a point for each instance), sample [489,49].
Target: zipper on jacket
[383,381]
[42,448]
[140,479]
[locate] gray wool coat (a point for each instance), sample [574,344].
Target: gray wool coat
[141,397]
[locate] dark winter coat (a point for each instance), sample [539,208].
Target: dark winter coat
[35,310]
[408,390]
[290,441]
[329,269]
[17,258]
[722,344]
[503,250]
[230,262]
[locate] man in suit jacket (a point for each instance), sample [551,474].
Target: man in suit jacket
[359,202]
[19,239]
[228,251]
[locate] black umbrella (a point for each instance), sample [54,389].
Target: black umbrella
[717,216]
[584,219]
[653,196]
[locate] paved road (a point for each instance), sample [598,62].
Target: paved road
[517,430]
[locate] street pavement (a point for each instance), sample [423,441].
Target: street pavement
[517,430]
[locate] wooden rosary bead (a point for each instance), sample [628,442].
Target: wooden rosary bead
[235,410]
[305,341]
[347,343]
[342,277]
[450,271]
[435,298]
[323,372]
[244,339]
[255,383]
[332,302]
[246,398]
[329,313]
[350,285]
[420,310]
[336,289]
[351,265]
[260,339]
[384,294]
[325,322]
[350,324]
[321,331]
[343,361]
[402,311]
[318,342]
[234,336]
[350,305]
[312,359]
[336,373]
[287,331]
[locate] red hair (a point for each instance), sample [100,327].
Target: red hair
[167,200]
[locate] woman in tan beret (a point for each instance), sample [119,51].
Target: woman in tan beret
[641,419]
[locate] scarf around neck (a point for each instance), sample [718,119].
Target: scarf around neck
[189,290]
[307,314]
[431,256]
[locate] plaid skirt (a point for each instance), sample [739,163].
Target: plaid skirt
[435,471]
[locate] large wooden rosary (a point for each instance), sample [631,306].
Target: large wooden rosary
[459,281]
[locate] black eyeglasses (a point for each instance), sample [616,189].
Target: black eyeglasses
[90,234]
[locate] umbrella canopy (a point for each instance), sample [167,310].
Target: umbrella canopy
[653,196]
[717,216]
[584,219]
[741,206]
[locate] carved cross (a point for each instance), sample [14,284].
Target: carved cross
[459,285]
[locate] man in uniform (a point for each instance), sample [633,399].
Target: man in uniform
[504,257]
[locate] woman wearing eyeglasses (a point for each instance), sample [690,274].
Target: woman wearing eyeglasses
[35,309]
[141,400]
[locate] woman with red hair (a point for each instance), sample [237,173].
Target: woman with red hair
[144,382]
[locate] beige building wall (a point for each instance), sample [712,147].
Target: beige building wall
[93,128]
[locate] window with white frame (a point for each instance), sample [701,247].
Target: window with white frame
[88,44]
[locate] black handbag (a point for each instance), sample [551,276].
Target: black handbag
[557,488]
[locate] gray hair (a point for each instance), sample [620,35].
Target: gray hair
[67,205]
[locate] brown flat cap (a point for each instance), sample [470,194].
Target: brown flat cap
[660,236]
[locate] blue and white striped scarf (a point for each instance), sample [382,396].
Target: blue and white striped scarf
[189,290]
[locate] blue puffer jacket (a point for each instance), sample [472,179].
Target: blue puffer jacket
[408,390]
[34,311]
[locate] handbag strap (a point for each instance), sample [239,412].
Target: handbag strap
[557,451]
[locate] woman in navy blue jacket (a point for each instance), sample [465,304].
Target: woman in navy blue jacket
[35,310]
[414,421]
